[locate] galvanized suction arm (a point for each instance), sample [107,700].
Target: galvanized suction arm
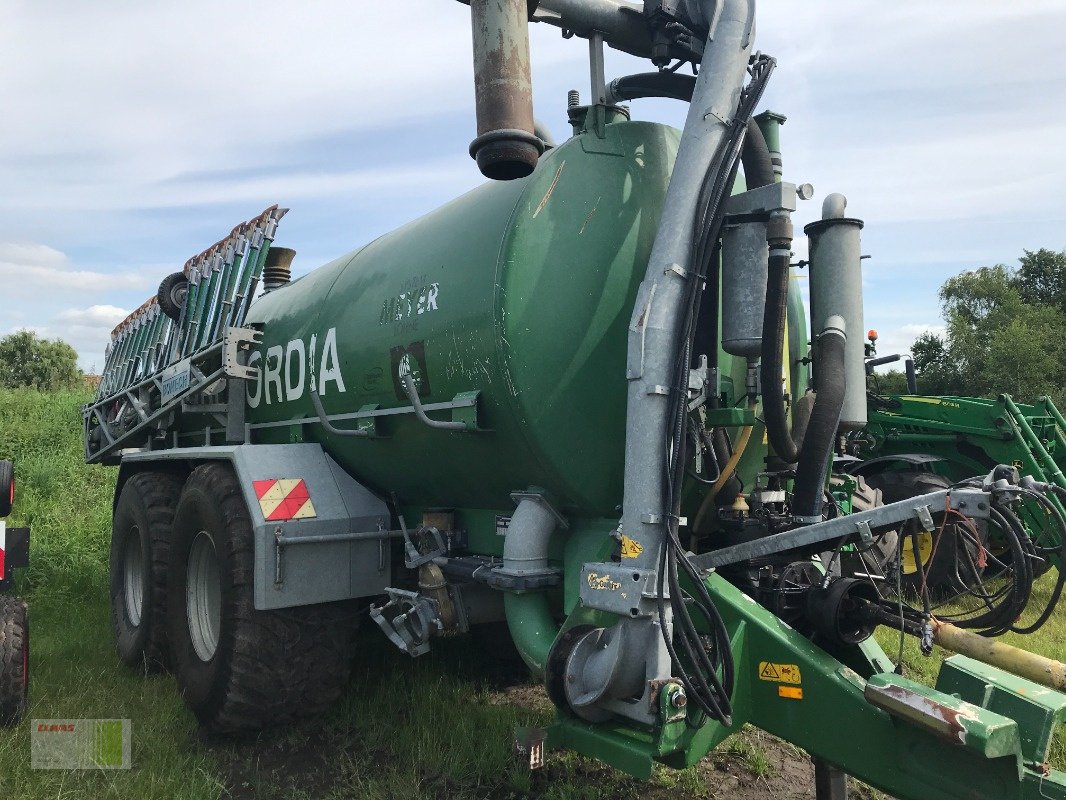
[654,340]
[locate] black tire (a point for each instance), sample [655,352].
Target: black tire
[949,570]
[266,667]
[7,487]
[172,293]
[866,560]
[141,529]
[14,660]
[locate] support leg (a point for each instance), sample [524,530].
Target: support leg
[829,782]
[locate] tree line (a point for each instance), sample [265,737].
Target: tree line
[1006,333]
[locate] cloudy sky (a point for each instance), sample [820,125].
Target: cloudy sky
[135,134]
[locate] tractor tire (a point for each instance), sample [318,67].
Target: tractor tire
[7,487]
[14,660]
[172,294]
[872,559]
[240,669]
[140,541]
[947,569]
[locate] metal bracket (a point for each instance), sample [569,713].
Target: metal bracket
[234,341]
[529,746]
[975,502]
[617,590]
[763,200]
[408,620]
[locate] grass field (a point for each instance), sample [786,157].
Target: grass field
[437,727]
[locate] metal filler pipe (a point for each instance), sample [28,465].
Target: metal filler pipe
[601,668]
[506,146]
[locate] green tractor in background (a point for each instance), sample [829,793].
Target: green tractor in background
[914,444]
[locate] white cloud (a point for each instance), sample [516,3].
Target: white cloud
[132,123]
[38,255]
[102,316]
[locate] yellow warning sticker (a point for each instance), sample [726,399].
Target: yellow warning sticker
[790,692]
[630,548]
[780,673]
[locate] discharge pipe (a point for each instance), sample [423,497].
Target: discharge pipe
[525,555]
[506,146]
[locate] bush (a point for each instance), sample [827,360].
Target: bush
[48,365]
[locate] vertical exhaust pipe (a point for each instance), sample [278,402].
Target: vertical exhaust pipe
[506,146]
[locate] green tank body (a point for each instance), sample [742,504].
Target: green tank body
[519,291]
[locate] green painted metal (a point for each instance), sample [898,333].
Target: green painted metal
[521,291]
[534,628]
[986,754]
[1039,710]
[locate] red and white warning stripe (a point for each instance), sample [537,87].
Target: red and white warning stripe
[284,498]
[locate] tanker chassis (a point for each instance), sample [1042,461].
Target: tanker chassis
[583,399]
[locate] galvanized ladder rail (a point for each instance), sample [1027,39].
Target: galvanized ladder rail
[200,346]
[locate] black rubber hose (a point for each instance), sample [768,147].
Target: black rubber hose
[773,344]
[807,495]
[755,157]
[652,84]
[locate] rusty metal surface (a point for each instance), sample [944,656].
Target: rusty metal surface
[919,710]
[503,90]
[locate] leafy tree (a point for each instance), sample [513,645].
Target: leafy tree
[44,364]
[1041,280]
[1006,332]
[891,382]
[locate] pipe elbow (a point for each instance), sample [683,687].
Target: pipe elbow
[834,206]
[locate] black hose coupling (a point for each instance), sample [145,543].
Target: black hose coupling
[779,232]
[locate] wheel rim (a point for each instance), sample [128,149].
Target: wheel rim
[910,565]
[203,594]
[133,577]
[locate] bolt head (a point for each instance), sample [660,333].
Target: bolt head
[678,699]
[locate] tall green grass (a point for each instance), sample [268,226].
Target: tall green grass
[66,503]
[425,728]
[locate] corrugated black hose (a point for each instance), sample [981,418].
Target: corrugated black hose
[773,344]
[808,491]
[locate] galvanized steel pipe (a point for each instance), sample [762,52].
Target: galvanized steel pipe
[506,146]
[525,553]
[622,24]
[836,288]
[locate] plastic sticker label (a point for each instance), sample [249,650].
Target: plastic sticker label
[284,498]
[630,548]
[780,673]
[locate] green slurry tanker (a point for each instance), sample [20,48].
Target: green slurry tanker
[585,399]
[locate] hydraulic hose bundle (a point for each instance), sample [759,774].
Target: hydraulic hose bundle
[1000,604]
[697,665]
